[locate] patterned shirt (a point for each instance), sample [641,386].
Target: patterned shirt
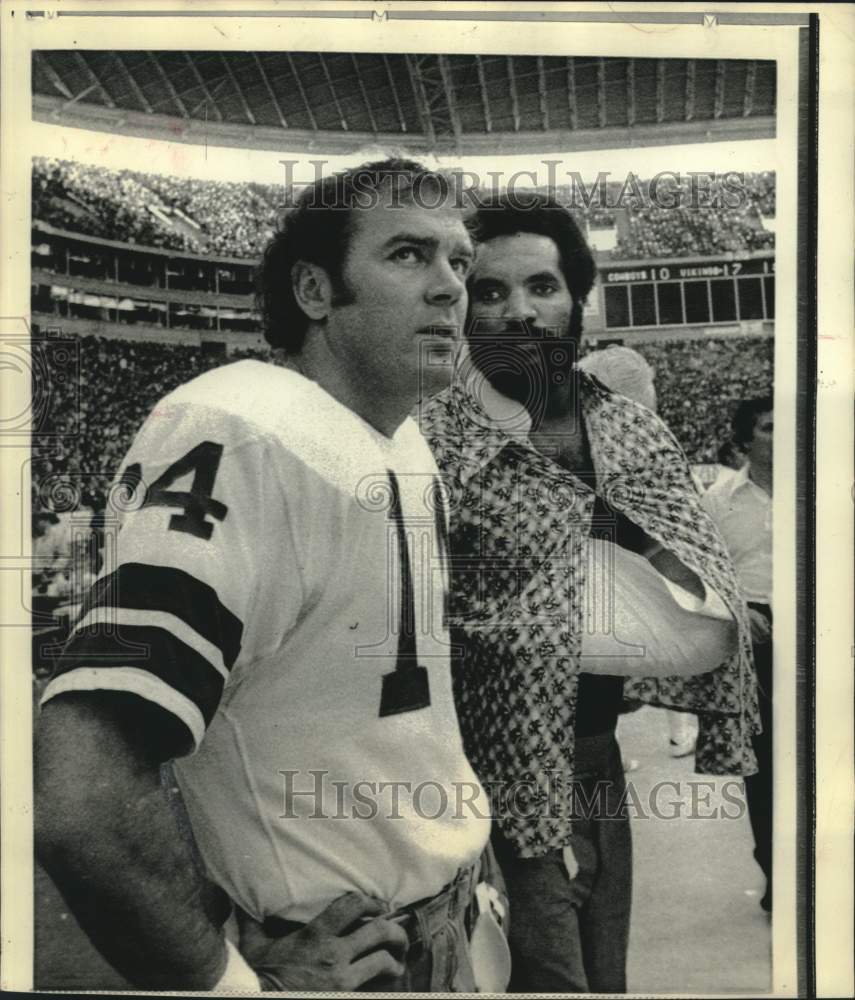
[519,525]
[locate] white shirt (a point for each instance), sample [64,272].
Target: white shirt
[743,512]
[267,620]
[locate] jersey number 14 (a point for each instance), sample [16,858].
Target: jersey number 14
[196,504]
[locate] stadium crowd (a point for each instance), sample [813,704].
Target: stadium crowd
[699,383]
[96,201]
[89,424]
[235,220]
[729,219]
[687,232]
[179,213]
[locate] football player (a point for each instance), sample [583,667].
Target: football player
[274,624]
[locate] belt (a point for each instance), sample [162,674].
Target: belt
[421,919]
[424,918]
[449,946]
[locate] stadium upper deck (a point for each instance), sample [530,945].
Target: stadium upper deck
[342,101]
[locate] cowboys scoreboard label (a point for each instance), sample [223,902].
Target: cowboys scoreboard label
[674,271]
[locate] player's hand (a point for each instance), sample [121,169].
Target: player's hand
[761,630]
[346,945]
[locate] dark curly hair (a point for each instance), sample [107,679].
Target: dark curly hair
[318,229]
[745,418]
[533,212]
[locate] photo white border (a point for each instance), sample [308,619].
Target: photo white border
[835,493]
[21,34]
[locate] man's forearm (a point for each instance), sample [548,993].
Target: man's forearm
[631,536]
[672,568]
[108,838]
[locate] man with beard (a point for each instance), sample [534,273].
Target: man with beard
[580,557]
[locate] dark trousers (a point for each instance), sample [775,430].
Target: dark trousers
[758,787]
[570,935]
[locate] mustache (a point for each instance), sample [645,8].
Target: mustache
[484,329]
[520,349]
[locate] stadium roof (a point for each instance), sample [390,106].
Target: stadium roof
[341,101]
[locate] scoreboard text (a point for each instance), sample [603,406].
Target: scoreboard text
[675,293]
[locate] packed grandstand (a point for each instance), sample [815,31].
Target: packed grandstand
[236,219]
[92,417]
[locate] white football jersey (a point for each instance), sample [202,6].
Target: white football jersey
[262,594]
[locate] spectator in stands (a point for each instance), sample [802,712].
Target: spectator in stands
[47,549]
[64,555]
[730,455]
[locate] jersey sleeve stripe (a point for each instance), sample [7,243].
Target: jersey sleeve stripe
[150,649]
[133,681]
[120,617]
[146,587]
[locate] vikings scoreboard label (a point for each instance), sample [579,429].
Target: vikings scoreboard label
[676,271]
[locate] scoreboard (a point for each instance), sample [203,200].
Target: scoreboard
[682,292]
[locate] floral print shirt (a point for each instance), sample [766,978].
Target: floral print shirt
[518,523]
